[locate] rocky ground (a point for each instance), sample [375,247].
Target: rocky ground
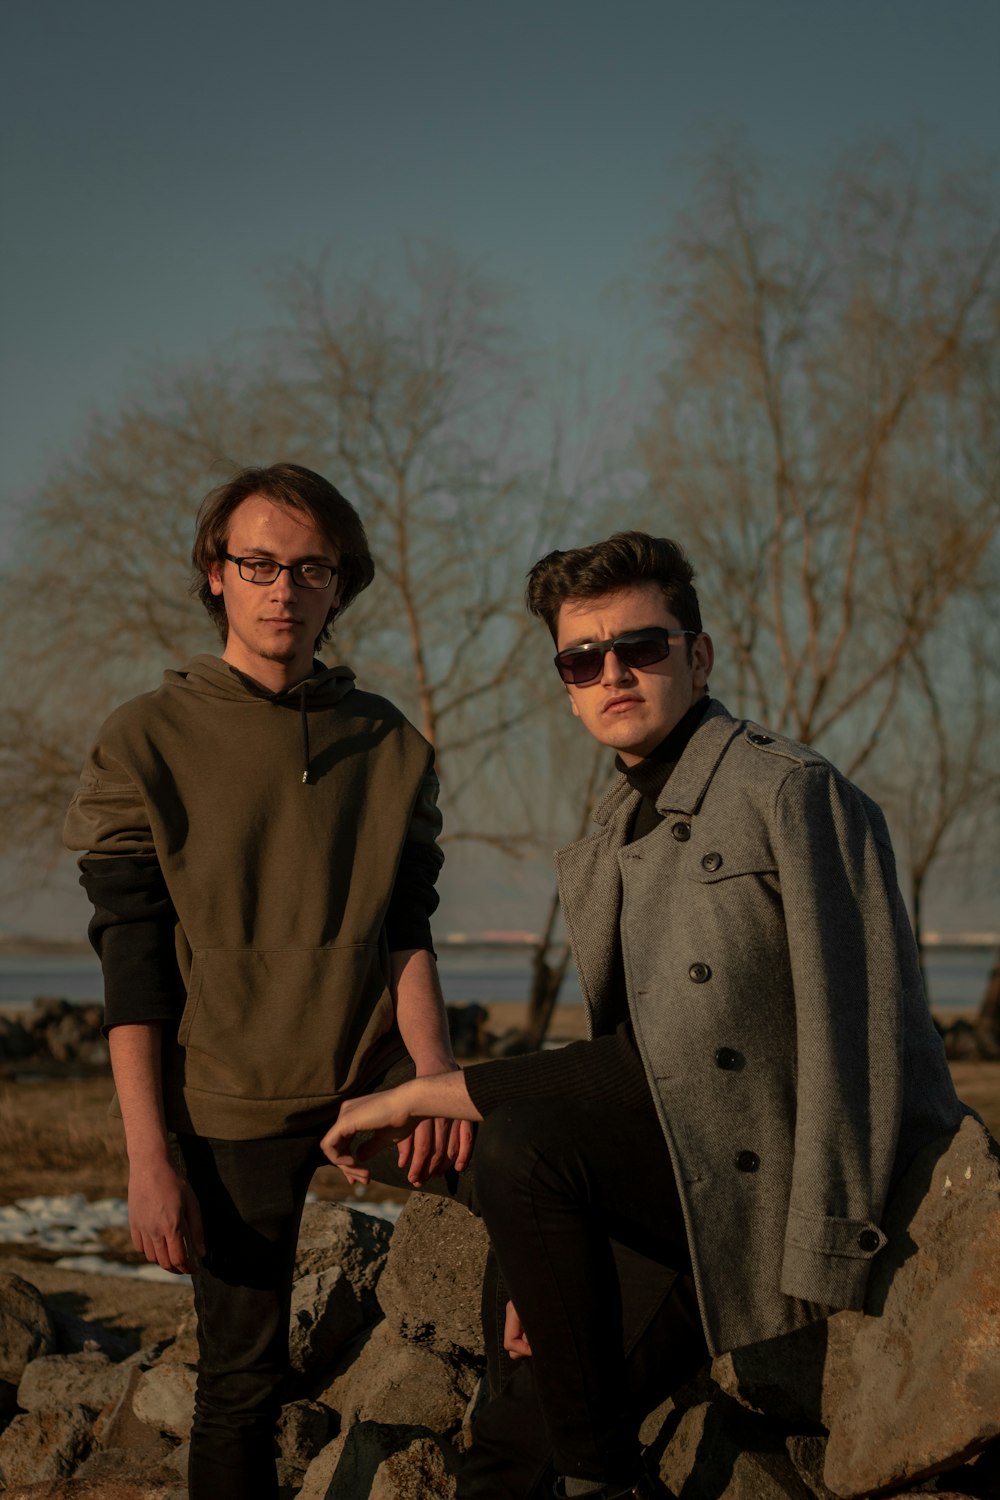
[97,1378]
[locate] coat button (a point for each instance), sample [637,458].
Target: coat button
[760,739]
[748,1161]
[699,973]
[727,1058]
[868,1241]
[681,832]
[711,861]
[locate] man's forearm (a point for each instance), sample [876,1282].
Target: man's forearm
[137,1070]
[420,1012]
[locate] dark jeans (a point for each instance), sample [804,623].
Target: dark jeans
[251,1195]
[558,1181]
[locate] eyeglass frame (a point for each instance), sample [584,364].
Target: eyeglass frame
[289,568]
[601,648]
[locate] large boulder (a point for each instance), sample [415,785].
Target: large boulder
[26,1329]
[98,1487]
[431,1287]
[44,1444]
[798,1377]
[333,1235]
[304,1428]
[325,1315]
[912,1386]
[118,1427]
[922,1388]
[401,1460]
[396,1382]
[719,1451]
[164,1398]
[423,1470]
[88,1379]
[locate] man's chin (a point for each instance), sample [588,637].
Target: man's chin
[278,653]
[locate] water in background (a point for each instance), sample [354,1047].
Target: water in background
[956,976]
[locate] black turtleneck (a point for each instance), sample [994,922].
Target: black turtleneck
[606,1071]
[650,775]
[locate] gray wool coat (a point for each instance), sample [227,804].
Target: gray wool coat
[776,1001]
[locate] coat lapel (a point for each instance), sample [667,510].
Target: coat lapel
[590,882]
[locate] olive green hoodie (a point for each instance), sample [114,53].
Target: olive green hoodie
[277,821]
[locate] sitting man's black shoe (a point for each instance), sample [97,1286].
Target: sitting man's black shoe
[645,1487]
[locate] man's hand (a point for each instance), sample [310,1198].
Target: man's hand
[515,1340]
[164,1217]
[440,1102]
[434,1147]
[387,1116]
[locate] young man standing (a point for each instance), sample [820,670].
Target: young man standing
[762,1064]
[259,843]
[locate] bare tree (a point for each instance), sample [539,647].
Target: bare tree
[413,405]
[827,438]
[938,772]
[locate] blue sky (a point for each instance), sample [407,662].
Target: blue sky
[163,161]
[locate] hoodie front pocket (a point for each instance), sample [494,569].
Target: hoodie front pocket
[282,1023]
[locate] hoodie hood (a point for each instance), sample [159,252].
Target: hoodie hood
[211,677]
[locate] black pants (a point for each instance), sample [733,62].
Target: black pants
[251,1195]
[557,1183]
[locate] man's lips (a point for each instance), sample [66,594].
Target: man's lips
[621,703]
[280,620]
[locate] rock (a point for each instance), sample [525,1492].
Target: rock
[144,1472]
[431,1287]
[922,1387]
[304,1429]
[325,1315]
[395,1382]
[797,1377]
[26,1329]
[164,1398]
[808,1455]
[117,1425]
[70,1380]
[333,1235]
[348,1467]
[416,1472]
[719,1451]
[99,1488]
[467,1027]
[319,1476]
[15,1042]
[44,1444]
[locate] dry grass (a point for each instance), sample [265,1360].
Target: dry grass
[56,1136]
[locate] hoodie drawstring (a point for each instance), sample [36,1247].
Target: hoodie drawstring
[304,718]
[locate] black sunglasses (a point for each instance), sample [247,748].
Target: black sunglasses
[581,665]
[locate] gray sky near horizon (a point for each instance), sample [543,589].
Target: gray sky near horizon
[163,162]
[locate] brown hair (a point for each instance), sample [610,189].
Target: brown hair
[295,488]
[627,558]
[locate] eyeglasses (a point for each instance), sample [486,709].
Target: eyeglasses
[263,570]
[582,665]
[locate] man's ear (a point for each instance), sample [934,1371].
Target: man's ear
[572,701]
[214,575]
[702,660]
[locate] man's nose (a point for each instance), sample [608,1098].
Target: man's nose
[614,671]
[283,586]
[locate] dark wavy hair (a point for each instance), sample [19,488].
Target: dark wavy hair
[625,559]
[295,488]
